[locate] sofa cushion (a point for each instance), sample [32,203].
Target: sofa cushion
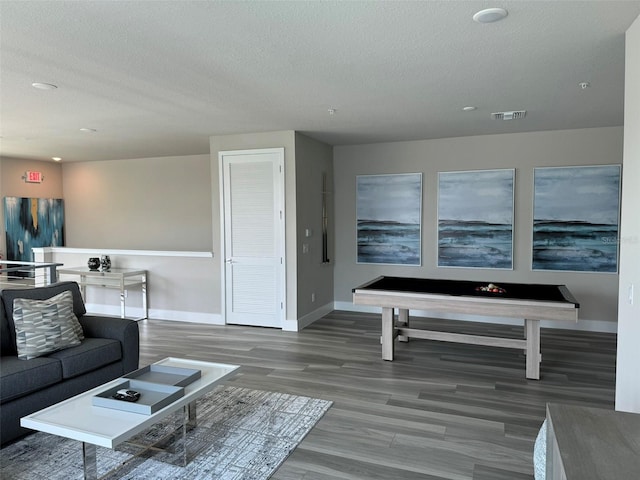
[92,354]
[19,377]
[45,326]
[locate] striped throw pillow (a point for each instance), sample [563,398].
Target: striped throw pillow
[45,326]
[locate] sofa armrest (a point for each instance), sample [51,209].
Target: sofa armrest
[123,330]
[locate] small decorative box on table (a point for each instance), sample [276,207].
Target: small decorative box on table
[153,397]
[158,386]
[165,374]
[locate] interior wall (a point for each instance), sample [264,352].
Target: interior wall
[179,283]
[315,285]
[12,185]
[286,139]
[596,292]
[147,203]
[627,377]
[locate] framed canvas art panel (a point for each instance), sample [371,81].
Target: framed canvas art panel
[475,219]
[576,215]
[389,218]
[30,223]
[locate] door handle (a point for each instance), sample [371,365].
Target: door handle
[229,261]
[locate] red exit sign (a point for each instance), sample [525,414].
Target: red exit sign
[33,177]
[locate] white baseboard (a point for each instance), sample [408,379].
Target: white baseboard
[308,319]
[192,317]
[290,325]
[582,325]
[198,317]
[173,315]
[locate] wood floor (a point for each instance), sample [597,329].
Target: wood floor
[439,411]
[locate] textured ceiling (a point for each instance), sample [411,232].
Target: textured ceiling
[157,78]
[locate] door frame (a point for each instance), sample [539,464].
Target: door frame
[281,197]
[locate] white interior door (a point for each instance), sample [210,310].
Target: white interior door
[252,197]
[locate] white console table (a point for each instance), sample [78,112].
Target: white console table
[118,278]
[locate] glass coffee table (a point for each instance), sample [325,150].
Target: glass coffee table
[79,419]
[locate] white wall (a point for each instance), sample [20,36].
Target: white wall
[147,203]
[596,292]
[628,374]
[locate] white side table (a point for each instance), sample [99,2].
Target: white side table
[120,278]
[587,443]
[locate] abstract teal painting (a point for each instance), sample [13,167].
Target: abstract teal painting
[32,223]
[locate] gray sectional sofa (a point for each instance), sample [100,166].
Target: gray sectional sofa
[109,350]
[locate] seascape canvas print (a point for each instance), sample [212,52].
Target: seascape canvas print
[389,213]
[576,216]
[32,222]
[475,219]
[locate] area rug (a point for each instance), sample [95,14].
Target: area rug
[241,434]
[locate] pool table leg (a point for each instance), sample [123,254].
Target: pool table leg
[532,334]
[387,333]
[403,321]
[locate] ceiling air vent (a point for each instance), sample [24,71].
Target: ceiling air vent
[509,115]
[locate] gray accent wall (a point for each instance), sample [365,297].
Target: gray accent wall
[313,159]
[627,376]
[596,292]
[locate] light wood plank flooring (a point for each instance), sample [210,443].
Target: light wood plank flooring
[439,411]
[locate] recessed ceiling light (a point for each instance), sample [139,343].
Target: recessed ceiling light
[57,159]
[490,15]
[44,86]
[584,85]
[469,108]
[88,130]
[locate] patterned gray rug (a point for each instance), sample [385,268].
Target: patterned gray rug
[241,434]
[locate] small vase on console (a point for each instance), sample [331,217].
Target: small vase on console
[105,262]
[93,263]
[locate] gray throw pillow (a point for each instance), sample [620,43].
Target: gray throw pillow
[45,326]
